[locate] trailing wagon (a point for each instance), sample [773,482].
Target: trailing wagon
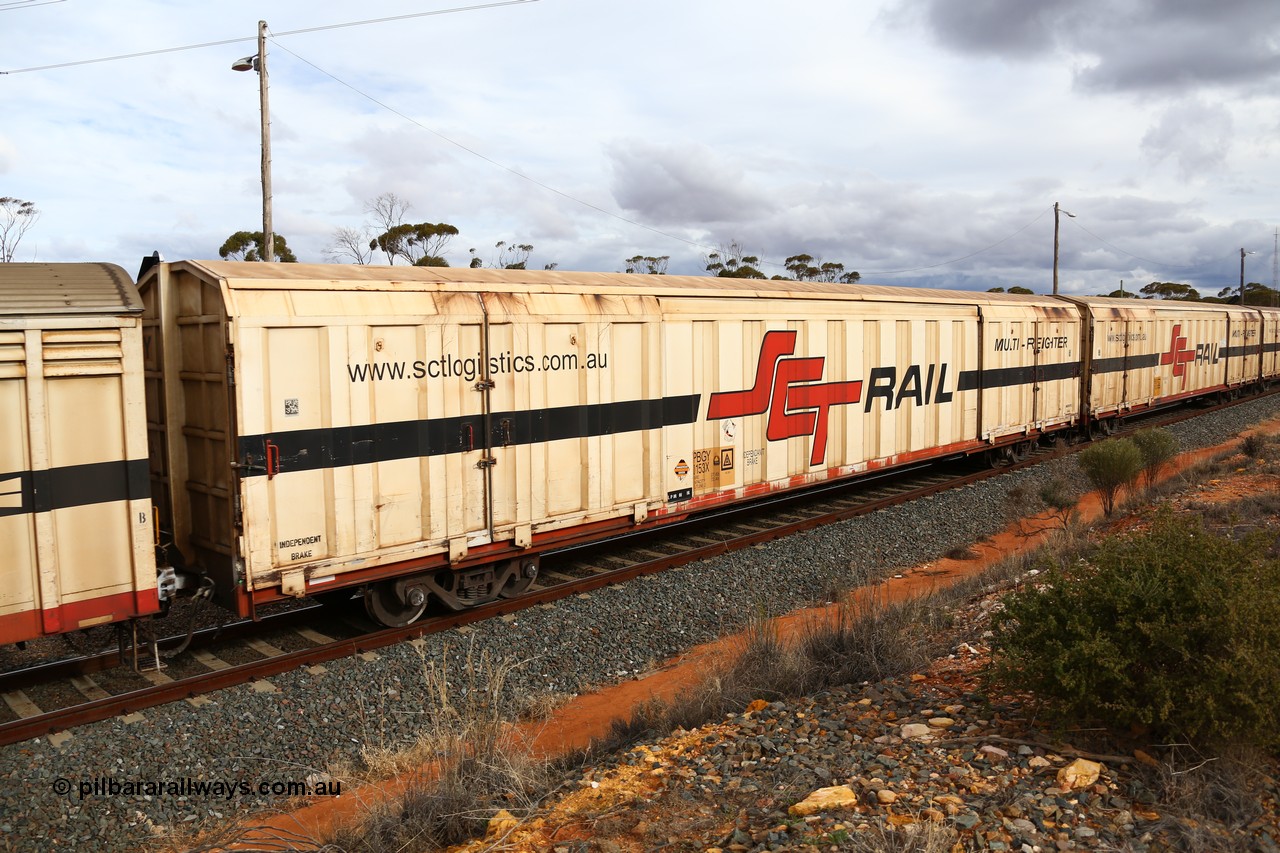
[76,529]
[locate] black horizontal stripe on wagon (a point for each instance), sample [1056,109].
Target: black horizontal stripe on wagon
[1247,350]
[1005,377]
[337,447]
[68,486]
[1121,363]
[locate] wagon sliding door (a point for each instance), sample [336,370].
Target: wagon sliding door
[575,412]
[367,443]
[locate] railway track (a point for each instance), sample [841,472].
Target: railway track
[52,698]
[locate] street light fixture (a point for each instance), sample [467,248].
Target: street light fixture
[1056,211]
[259,63]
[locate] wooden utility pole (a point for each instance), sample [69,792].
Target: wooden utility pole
[268,233]
[1056,211]
[259,63]
[1242,254]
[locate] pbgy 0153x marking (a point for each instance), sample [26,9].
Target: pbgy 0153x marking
[798,405]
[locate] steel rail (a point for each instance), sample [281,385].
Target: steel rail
[88,664]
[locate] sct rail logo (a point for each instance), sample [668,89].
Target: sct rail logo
[1180,355]
[787,389]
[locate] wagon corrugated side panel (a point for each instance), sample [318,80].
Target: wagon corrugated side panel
[1270,342]
[1243,347]
[1030,367]
[793,391]
[576,410]
[363,410]
[1148,353]
[384,425]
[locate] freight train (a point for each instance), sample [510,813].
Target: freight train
[275,431]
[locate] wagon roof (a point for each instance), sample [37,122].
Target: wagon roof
[1167,304]
[260,276]
[49,289]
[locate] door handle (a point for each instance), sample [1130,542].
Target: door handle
[273,459]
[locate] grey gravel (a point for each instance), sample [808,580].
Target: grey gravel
[314,720]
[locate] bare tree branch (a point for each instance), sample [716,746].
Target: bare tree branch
[16,218]
[349,244]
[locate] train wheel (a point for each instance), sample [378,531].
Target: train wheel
[385,607]
[1000,457]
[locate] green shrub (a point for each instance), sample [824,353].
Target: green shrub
[1176,630]
[1110,466]
[1157,447]
[1057,495]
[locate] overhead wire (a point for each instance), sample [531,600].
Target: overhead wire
[1076,222]
[15,5]
[966,257]
[202,45]
[595,207]
[486,158]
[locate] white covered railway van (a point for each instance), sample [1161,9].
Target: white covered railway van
[76,538]
[1146,353]
[427,432]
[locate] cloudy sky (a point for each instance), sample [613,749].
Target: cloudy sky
[920,142]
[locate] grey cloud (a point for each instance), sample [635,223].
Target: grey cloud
[688,184]
[1118,45]
[904,234]
[1196,135]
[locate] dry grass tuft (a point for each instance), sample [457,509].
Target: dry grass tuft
[466,767]
[919,837]
[1203,795]
[868,640]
